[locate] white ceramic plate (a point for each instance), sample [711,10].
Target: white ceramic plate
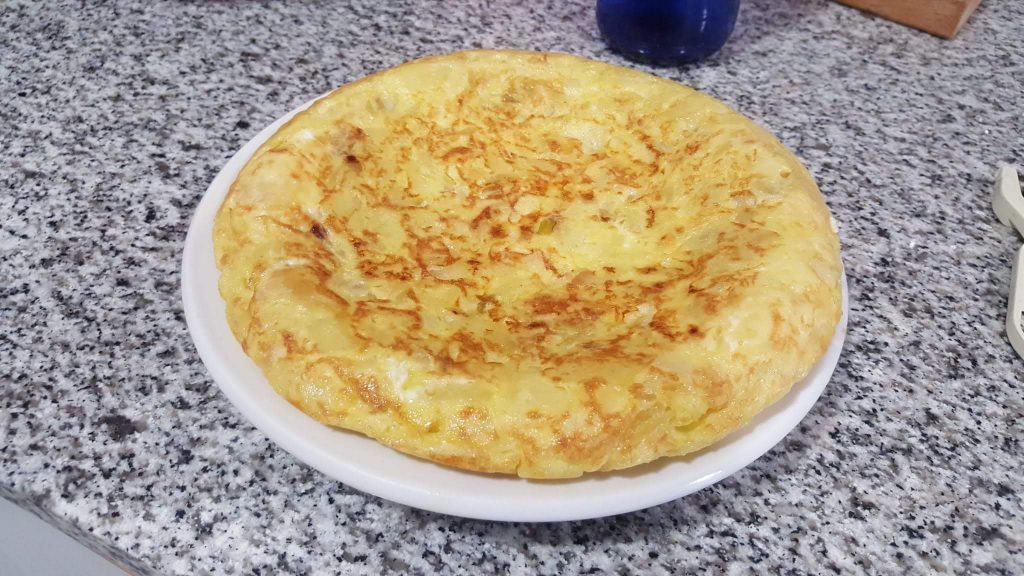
[368,466]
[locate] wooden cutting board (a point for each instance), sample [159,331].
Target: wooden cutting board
[940,17]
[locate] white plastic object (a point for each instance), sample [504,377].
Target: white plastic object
[1007,200]
[1008,203]
[1015,312]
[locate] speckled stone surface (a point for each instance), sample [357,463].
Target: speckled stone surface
[116,116]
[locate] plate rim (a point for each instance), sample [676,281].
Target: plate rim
[283,427]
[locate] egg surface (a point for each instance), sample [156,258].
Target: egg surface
[528,263]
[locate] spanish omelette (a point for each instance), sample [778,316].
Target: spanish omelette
[528,263]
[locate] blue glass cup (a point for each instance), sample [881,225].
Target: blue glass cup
[666,31]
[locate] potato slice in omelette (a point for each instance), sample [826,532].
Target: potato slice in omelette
[528,263]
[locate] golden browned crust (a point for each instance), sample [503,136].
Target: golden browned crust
[528,263]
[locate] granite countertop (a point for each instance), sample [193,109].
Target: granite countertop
[117,116]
